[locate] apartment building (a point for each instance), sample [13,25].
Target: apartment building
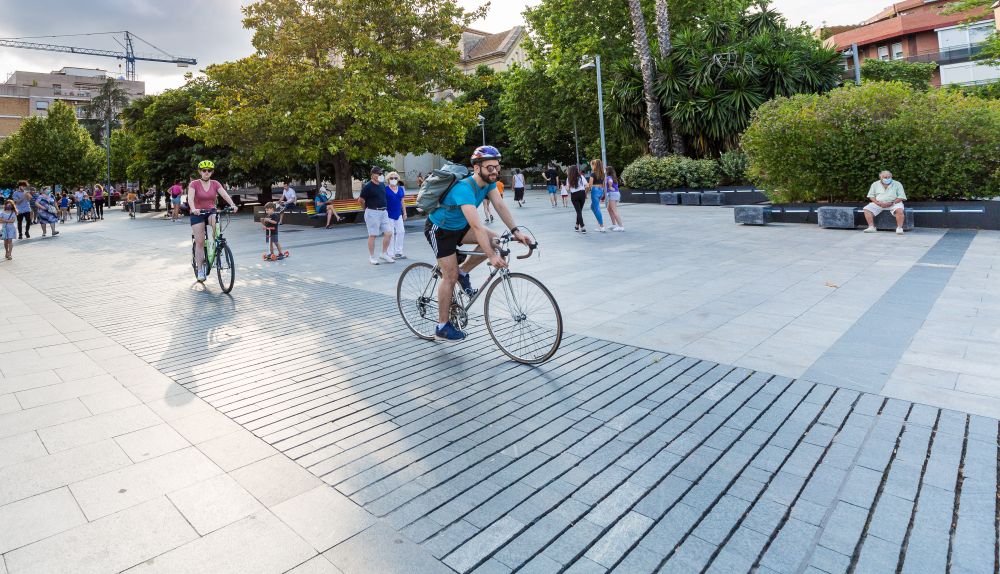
[26,94]
[920,31]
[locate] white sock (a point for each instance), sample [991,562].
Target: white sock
[463,273]
[441,325]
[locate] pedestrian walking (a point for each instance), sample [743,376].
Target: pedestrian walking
[63,207]
[596,184]
[373,201]
[552,182]
[176,191]
[613,197]
[22,201]
[47,212]
[576,188]
[395,193]
[518,182]
[99,197]
[7,228]
[78,196]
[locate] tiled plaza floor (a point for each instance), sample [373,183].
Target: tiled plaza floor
[154,424]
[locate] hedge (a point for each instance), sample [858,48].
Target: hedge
[940,144]
[670,172]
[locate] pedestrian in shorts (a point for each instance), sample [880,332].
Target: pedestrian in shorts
[373,201]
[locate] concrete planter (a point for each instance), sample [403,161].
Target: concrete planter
[752,214]
[731,195]
[937,214]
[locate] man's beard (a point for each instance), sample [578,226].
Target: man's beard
[492,177]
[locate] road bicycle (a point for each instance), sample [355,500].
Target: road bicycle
[217,252]
[521,314]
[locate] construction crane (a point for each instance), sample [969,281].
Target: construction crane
[128,55]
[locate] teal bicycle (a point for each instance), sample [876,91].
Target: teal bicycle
[217,252]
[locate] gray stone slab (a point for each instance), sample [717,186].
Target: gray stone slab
[712,198]
[396,554]
[691,198]
[886,221]
[830,217]
[670,198]
[752,214]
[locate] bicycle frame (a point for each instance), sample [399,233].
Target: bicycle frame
[212,243]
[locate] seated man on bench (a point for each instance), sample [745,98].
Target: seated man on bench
[884,194]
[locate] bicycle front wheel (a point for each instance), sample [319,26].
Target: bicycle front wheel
[416,297]
[523,318]
[226,268]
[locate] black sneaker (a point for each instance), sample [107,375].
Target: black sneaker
[466,282]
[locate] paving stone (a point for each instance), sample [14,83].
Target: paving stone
[151,442]
[25,420]
[877,556]
[844,528]
[20,448]
[827,560]
[691,556]
[488,540]
[275,479]
[151,529]
[323,517]
[257,544]
[68,390]
[613,545]
[38,517]
[236,449]
[114,491]
[316,565]
[790,547]
[96,428]
[42,474]
[214,503]
[860,487]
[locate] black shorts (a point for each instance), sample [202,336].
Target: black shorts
[444,242]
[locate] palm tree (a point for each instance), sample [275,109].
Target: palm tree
[105,107]
[663,35]
[657,142]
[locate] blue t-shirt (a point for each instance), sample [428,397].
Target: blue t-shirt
[465,192]
[21,201]
[394,201]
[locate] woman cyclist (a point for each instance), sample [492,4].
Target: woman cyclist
[201,198]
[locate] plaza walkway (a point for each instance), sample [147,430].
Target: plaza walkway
[691,421]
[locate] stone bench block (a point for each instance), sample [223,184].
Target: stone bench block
[711,198]
[830,217]
[886,221]
[752,214]
[691,198]
[670,198]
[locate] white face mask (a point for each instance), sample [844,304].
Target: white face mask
[393,181]
[381,179]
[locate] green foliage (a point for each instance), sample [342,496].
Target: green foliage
[733,165]
[122,154]
[486,90]
[940,144]
[670,172]
[105,109]
[721,68]
[989,91]
[346,80]
[51,150]
[916,74]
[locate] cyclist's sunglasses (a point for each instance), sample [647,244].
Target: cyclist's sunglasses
[492,168]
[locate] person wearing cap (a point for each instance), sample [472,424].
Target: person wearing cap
[373,201]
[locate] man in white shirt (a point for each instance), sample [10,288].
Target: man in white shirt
[884,194]
[287,200]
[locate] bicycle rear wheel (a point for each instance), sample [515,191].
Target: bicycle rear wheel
[523,318]
[416,297]
[225,267]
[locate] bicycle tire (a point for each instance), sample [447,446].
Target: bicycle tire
[419,310]
[194,265]
[225,268]
[508,327]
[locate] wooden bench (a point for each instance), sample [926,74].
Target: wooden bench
[347,209]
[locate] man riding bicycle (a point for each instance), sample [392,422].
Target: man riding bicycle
[456,223]
[201,195]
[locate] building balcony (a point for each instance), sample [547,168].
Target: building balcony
[951,55]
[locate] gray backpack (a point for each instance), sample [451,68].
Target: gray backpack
[437,185]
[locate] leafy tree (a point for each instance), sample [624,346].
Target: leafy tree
[104,109]
[979,9]
[344,80]
[52,150]
[721,69]
[486,90]
[916,74]
[940,143]
[123,146]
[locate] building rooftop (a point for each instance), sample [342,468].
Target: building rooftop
[484,44]
[903,18]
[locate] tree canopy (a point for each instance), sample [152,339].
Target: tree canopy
[345,80]
[50,150]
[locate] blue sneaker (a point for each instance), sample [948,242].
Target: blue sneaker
[466,282]
[448,333]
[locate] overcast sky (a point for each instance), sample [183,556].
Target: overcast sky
[211,30]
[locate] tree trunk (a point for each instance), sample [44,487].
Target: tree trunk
[265,194]
[663,37]
[342,176]
[319,181]
[657,141]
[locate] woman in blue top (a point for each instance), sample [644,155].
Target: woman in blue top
[597,191]
[47,212]
[394,195]
[22,200]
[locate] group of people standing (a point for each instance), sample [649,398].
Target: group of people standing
[601,184]
[382,199]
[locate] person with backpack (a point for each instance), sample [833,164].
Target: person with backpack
[454,221]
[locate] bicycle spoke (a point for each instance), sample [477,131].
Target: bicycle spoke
[523,318]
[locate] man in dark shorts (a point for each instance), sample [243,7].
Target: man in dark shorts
[456,222]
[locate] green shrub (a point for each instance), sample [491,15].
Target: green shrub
[670,172]
[916,74]
[940,144]
[733,167]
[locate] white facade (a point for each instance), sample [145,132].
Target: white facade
[958,38]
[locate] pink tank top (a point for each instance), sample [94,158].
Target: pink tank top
[205,199]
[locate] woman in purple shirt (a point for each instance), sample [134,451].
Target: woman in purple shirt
[394,194]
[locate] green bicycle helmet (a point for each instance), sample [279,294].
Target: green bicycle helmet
[206,164]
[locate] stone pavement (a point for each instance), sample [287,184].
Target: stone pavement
[151,423]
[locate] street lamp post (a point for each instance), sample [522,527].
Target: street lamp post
[596,63]
[482,124]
